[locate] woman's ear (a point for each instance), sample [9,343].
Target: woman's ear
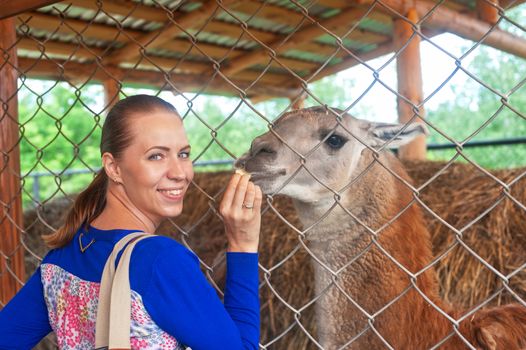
[111,167]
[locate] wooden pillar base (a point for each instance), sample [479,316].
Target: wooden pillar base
[11,218]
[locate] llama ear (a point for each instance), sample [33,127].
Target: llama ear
[396,134]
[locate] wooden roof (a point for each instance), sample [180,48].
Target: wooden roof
[268,48]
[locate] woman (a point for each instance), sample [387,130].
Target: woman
[146,172]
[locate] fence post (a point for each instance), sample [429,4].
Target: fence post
[409,74]
[298,102]
[112,88]
[11,218]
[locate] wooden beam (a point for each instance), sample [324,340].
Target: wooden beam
[51,47]
[125,9]
[409,73]
[486,12]
[274,13]
[37,20]
[235,31]
[189,67]
[337,4]
[10,8]
[350,61]
[153,39]
[304,35]
[218,52]
[110,33]
[381,50]
[51,70]
[464,26]
[77,52]
[11,217]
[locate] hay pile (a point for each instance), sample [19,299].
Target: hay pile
[458,196]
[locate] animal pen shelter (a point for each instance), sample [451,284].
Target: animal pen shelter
[255,51]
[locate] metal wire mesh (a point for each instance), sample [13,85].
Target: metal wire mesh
[255,50]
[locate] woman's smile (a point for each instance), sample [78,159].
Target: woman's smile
[173,194]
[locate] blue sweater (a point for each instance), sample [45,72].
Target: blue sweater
[172,302]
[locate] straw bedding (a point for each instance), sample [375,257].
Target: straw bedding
[460,194]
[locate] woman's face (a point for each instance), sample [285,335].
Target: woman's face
[156,168]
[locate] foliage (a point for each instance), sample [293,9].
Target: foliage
[476,104]
[59,131]
[499,100]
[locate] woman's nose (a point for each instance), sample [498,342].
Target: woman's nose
[176,171]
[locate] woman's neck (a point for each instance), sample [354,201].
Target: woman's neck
[119,212]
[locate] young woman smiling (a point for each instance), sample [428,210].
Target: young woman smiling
[146,172]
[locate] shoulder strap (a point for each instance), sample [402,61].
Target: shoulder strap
[114,309]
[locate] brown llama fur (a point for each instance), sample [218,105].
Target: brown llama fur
[412,322]
[374,276]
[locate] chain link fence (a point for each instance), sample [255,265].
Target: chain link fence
[74,54]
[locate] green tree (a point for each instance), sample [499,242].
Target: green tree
[478,113]
[59,131]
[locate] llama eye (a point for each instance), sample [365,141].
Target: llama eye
[335,141]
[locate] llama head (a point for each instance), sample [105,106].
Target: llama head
[309,151]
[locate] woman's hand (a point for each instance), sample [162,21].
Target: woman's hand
[241,211]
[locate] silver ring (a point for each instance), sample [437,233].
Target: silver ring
[247,206]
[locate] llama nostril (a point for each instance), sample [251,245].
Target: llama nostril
[240,163]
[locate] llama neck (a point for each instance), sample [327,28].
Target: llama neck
[372,280]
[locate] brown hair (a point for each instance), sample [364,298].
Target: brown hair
[116,137]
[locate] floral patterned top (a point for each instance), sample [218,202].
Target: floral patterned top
[73,312]
[172,302]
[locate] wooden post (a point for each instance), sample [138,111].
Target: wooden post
[486,12]
[11,219]
[409,74]
[298,102]
[112,88]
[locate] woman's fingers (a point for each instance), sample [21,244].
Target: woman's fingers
[250,195]
[230,191]
[241,189]
[241,213]
[258,198]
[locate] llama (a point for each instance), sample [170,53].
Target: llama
[359,217]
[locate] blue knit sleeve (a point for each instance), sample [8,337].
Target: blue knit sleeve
[24,320]
[183,303]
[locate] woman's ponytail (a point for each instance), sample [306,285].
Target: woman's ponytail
[88,205]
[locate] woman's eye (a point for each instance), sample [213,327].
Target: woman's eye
[184,155]
[156,156]
[335,141]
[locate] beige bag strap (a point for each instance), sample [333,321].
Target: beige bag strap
[114,309]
